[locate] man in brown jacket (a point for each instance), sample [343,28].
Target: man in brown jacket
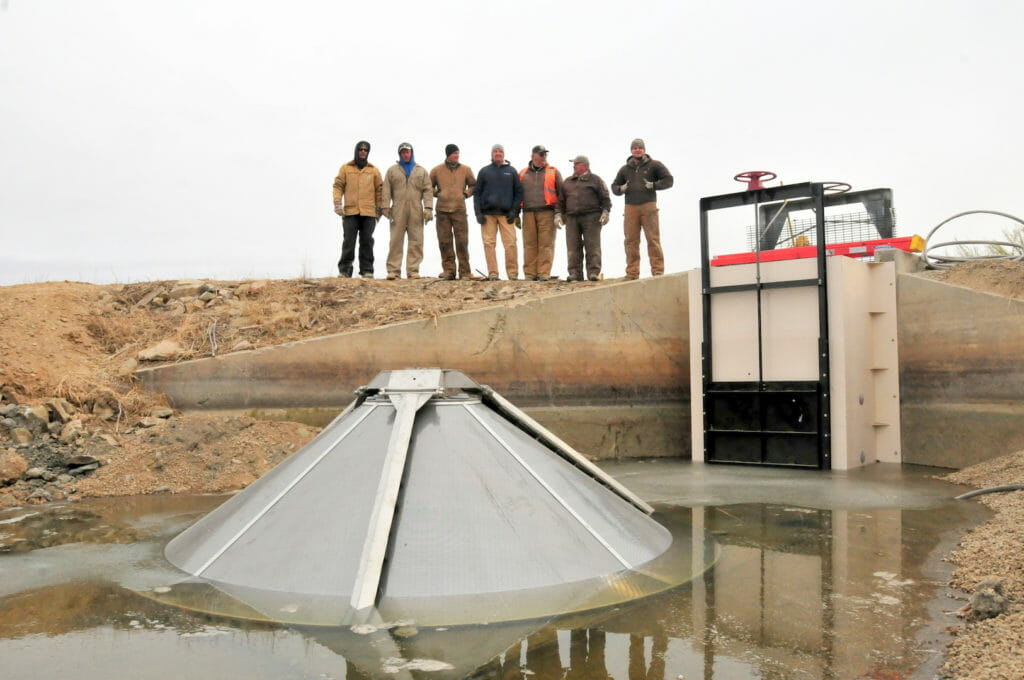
[638,179]
[585,204]
[408,203]
[542,190]
[357,198]
[453,183]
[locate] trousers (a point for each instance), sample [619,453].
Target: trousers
[538,242]
[492,226]
[583,233]
[643,217]
[453,240]
[353,228]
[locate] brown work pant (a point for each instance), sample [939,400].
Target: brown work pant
[453,239]
[645,217]
[538,242]
[583,232]
[493,224]
[414,251]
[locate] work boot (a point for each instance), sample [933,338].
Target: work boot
[447,277]
[392,277]
[541,277]
[492,278]
[412,275]
[594,278]
[367,275]
[343,275]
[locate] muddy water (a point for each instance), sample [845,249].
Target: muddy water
[814,580]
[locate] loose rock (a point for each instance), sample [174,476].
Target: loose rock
[162,351]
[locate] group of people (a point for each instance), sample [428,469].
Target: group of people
[536,199]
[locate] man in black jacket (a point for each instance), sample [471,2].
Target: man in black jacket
[638,179]
[496,201]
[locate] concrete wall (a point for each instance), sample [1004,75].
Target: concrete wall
[607,367]
[617,347]
[961,373]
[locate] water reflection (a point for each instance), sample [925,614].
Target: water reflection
[778,592]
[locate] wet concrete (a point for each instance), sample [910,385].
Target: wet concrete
[794,574]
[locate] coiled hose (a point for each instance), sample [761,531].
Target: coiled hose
[947,261]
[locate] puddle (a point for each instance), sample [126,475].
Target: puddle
[827,576]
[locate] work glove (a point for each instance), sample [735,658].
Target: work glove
[480,219]
[512,217]
[516,221]
[339,209]
[437,191]
[603,220]
[428,215]
[559,223]
[379,212]
[649,184]
[386,212]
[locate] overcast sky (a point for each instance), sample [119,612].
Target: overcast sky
[144,140]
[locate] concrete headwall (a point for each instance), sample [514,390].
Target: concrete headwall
[608,368]
[961,373]
[606,351]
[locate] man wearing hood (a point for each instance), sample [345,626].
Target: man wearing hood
[496,202]
[453,183]
[638,179]
[357,199]
[408,203]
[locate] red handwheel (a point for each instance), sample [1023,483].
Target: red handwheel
[755,178]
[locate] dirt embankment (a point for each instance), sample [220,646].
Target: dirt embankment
[73,423]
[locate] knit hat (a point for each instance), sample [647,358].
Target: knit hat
[497,147]
[450,149]
[363,145]
[638,142]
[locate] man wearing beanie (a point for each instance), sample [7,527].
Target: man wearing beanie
[639,179]
[496,202]
[453,183]
[408,203]
[542,190]
[357,199]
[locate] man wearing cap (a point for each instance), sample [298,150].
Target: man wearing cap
[639,179]
[542,190]
[452,184]
[408,203]
[357,199]
[496,200]
[585,204]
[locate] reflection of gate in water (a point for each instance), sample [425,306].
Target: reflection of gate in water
[794,593]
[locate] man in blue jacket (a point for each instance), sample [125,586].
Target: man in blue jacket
[496,201]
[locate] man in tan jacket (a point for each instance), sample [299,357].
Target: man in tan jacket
[453,183]
[357,199]
[408,203]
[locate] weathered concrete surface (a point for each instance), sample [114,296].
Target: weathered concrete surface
[607,367]
[620,345]
[961,373]
[603,431]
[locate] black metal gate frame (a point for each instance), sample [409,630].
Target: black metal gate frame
[816,193]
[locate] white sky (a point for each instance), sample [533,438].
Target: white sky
[144,140]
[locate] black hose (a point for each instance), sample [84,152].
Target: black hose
[991,489]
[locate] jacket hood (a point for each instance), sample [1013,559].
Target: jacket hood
[355,153]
